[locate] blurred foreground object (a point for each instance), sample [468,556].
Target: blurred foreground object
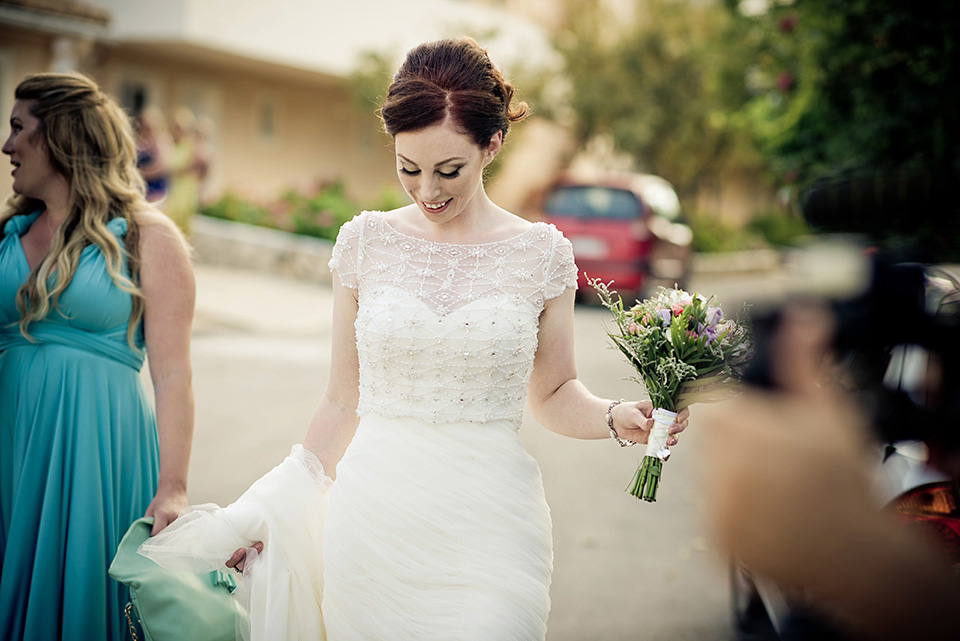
[855,406]
[791,495]
[906,211]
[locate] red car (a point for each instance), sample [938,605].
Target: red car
[623,229]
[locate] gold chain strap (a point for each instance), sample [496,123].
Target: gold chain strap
[128,612]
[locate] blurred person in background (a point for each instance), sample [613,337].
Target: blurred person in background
[186,167]
[153,152]
[92,279]
[203,155]
[790,493]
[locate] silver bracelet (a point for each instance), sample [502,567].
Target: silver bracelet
[613,433]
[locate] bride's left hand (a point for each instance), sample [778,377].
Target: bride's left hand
[633,422]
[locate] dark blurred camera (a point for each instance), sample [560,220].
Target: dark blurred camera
[897,313]
[884,205]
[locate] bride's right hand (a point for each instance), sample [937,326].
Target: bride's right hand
[239,558]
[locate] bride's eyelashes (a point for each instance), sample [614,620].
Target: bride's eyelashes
[443,174]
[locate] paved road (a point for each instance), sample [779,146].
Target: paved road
[624,569]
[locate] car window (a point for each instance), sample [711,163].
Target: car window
[592,202]
[659,196]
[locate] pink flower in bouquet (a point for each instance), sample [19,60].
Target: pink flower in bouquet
[691,354]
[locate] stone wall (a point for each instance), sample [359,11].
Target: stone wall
[230,244]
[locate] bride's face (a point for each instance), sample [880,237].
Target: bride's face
[441,169]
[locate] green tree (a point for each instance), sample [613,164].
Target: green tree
[841,85]
[660,88]
[859,99]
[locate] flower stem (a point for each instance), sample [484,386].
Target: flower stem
[647,479]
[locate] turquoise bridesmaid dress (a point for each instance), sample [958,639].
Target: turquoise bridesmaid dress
[78,451]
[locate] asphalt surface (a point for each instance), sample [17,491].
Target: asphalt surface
[624,569]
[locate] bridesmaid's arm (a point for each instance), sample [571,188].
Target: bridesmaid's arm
[563,404]
[169,289]
[335,419]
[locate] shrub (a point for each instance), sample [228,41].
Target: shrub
[235,208]
[318,211]
[712,234]
[778,228]
[322,212]
[770,228]
[388,199]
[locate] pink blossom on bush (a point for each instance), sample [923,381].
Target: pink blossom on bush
[787,24]
[784,81]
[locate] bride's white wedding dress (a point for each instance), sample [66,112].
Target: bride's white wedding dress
[437,528]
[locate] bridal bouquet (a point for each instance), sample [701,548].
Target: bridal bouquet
[685,351]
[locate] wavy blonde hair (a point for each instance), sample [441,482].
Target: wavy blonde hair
[90,142]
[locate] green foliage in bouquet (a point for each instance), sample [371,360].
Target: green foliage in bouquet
[684,351]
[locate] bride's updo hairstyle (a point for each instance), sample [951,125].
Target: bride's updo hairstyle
[455,78]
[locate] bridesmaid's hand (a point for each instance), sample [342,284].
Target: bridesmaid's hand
[165,507]
[633,422]
[239,559]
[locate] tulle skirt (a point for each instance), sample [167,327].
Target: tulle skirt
[433,531]
[281,588]
[437,531]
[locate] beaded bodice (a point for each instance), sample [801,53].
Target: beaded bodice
[448,332]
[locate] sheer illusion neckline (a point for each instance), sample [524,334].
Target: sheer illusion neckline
[514,237]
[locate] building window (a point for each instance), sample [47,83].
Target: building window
[267,120]
[134,96]
[138,88]
[7,86]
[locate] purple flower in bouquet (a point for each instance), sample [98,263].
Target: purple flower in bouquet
[711,333]
[684,351]
[714,314]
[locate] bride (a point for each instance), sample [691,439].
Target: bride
[449,314]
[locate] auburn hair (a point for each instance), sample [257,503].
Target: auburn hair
[451,78]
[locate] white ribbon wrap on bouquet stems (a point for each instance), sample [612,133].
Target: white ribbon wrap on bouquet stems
[657,441]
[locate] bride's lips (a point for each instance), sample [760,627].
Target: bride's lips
[433,208]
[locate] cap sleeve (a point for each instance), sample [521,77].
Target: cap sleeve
[345,257]
[561,271]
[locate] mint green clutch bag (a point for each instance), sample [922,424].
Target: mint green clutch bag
[173,605]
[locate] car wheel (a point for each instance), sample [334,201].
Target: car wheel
[750,619]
